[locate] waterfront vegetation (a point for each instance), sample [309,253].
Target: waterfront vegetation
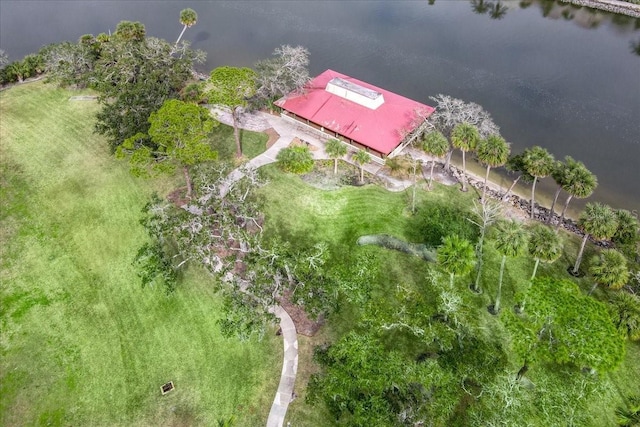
[406,338]
[339,217]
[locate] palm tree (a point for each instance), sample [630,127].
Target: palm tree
[544,245]
[582,184]
[335,149]
[510,241]
[573,177]
[455,256]
[436,145]
[130,31]
[493,151]
[628,227]
[626,314]
[361,157]
[597,220]
[538,163]
[559,173]
[515,165]
[486,214]
[465,137]
[188,18]
[609,268]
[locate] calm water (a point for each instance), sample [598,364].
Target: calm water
[553,75]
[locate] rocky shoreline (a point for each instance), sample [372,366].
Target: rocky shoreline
[523,206]
[613,6]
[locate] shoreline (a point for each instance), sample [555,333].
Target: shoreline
[612,6]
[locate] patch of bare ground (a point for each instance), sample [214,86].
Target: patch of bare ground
[322,176]
[178,197]
[273,136]
[304,324]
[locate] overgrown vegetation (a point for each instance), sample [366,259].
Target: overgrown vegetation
[414,317]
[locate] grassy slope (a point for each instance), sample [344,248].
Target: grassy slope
[81,342]
[304,214]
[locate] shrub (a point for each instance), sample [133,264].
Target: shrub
[295,159]
[435,221]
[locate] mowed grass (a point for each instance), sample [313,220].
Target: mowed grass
[252,143]
[304,215]
[81,342]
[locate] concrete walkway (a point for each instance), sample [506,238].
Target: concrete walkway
[285,395]
[287,131]
[260,122]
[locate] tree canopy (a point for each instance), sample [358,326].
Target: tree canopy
[363,384]
[564,326]
[492,151]
[538,163]
[335,149]
[232,87]
[296,159]
[287,71]
[135,76]
[180,132]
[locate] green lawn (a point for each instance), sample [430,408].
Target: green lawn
[253,143]
[303,215]
[81,342]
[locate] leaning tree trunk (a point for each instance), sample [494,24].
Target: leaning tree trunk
[236,132]
[535,269]
[433,163]
[553,204]
[513,184]
[484,188]
[496,306]
[187,178]
[533,196]
[564,210]
[593,288]
[464,172]
[181,34]
[576,267]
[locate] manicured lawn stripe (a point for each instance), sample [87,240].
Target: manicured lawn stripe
[82,342]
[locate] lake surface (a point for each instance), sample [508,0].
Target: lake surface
[562,77]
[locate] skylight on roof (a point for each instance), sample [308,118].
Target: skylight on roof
[354,92]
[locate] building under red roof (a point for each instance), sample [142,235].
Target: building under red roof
[362,114]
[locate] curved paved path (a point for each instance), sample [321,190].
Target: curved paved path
[287,131]
[284,394]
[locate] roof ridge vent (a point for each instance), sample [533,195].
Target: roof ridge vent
[361,95]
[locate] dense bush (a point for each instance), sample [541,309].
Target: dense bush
[30,66]
[295,159]
[433,222]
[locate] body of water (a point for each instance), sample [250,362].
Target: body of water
[551,74]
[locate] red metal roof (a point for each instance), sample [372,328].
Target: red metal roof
[381,129]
